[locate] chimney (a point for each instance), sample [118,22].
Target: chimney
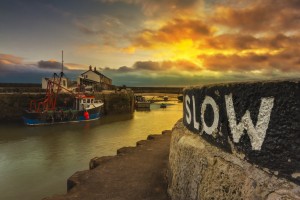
[95,69]
[91,67]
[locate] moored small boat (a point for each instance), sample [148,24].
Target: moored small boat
[163,105]
[141,104]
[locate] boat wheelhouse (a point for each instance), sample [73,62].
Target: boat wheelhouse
[87,102]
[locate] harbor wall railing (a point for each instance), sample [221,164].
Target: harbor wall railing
[237,141]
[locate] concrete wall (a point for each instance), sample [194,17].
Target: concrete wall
[239,139]
[21,89]
[200,170]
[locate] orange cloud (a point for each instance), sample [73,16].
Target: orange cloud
[260,16]
[173,31]
[285,61]
[7,59]
[218,38]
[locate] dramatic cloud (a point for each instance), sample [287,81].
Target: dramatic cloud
[262,16]
[163,40]
[152,7]
[285,61]
[97,25]
[12,63]
[7,59]
[15,69]
[159,67]
[173,31]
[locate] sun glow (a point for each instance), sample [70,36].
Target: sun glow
[183,50]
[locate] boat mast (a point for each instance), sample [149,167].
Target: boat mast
[62,61]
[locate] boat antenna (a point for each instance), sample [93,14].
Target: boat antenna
[62,62]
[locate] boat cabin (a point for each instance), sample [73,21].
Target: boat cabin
[86,102]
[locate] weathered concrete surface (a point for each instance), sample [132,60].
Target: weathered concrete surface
[12,105]
[199,170]
[260,120]
[135,173]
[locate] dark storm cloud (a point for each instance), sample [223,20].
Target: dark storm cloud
[123,69]
[49,65]
[153,66]
[147,65]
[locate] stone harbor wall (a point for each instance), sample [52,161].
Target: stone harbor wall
[237,141]
[166,90]
[12,105]
[117,102]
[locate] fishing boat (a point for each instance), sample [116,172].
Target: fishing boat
[45,111]
[88,109]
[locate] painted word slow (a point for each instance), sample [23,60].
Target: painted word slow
[256,132]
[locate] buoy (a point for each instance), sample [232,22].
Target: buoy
[86,115]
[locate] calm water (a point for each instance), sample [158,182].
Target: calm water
[35,162]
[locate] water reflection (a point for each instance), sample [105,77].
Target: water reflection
[35,162]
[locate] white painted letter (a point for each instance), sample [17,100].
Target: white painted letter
[214,126]
[196,124]
[188,116]
[256,134]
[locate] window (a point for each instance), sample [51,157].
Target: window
[88,101]
[83,100]
[92,100]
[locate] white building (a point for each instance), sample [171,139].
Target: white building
[94,78]
[63,83]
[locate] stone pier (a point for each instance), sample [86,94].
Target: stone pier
[134,173]
[237,141]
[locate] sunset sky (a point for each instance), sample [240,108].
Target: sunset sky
[151,42]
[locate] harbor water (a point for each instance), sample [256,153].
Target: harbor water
[35,162]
